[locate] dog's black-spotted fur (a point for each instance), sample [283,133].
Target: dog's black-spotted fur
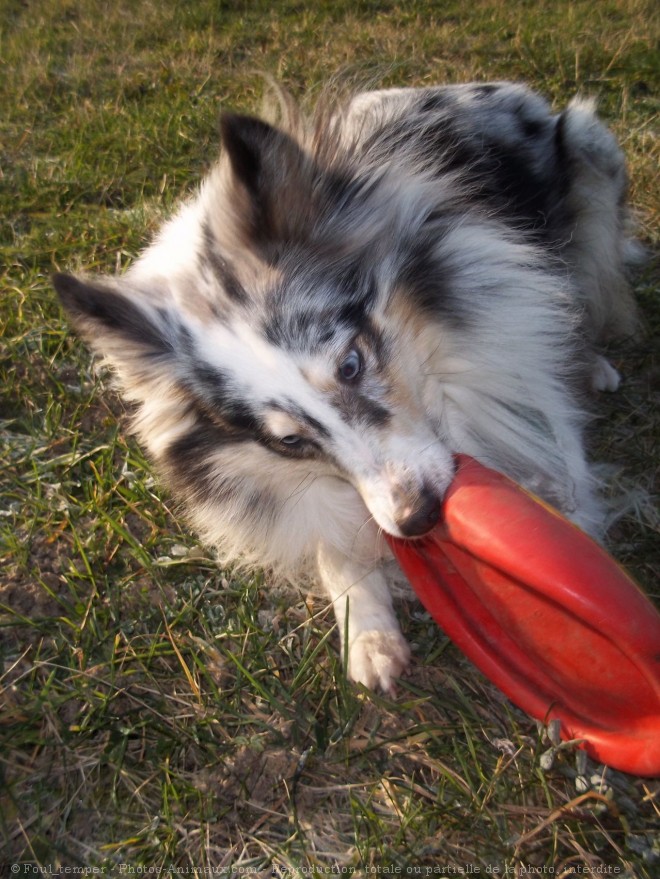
[352,298]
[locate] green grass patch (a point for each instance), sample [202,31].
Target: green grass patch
[157,712]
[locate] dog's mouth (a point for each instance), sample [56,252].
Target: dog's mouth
[406,499]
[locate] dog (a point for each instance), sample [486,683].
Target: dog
[354,295]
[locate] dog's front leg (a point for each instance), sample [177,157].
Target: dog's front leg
[377,651]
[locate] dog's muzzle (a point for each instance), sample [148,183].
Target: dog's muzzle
[419,514]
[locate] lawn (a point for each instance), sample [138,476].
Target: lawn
[159,715]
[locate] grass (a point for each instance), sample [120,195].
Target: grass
[156,712]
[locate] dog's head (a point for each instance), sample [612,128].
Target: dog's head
[280,319]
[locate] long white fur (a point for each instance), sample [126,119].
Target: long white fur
[499,386]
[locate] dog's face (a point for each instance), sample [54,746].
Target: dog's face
[277,337]
[336,397]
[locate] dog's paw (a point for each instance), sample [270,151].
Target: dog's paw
[377,658]
[604,376]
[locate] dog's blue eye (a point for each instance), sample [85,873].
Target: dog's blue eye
[291,440]
[350,367]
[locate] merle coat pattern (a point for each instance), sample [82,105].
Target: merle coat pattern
[351,298]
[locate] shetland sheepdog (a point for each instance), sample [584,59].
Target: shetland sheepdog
[353,295]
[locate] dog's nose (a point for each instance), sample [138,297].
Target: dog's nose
[421,516]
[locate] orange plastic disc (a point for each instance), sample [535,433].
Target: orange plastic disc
[545,613]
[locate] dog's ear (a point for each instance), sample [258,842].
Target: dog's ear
[249,144]
[114,323]
[269,180]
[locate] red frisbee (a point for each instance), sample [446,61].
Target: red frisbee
[545,613]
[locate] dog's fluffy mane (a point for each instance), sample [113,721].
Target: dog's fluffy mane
[466,235]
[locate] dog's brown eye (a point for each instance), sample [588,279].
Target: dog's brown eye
[351,365]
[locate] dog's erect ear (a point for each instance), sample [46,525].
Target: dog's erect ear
[249,142]
[270,176]
[112,322]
